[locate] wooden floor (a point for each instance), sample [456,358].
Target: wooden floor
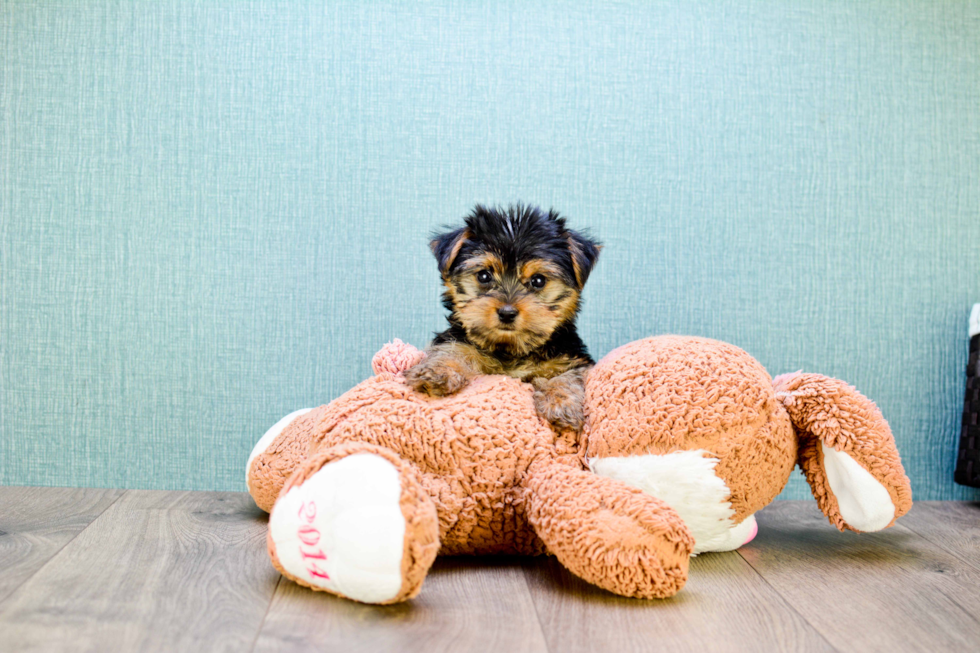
[111,570]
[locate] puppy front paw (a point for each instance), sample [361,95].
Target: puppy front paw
[560,401]
[437,376]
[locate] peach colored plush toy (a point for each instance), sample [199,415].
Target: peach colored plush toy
[684,440]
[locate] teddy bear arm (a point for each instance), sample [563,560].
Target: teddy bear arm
[608,533]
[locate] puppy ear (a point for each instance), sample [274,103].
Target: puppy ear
[446,247]
[585,252]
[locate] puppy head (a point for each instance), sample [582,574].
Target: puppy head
[513,276]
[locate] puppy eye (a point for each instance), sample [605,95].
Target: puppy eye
[538,281]
[483,276]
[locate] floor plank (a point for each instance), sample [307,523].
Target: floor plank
[725,606]
[953,525]
[164,571]
[36,522]
[102,569]
[466,604]
[887,591]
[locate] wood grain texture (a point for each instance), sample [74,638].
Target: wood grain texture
[887,591]
[163,571]
[466,604]
[725,606]
[35,523]
[189,571]
[953,525]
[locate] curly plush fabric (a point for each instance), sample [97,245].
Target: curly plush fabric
[835,414]
[395,357]
[482,473]
[612,535]
[704,394]
[472,450]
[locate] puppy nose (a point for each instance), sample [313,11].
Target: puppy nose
[507,313]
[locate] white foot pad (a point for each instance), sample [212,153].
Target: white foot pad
[343,529]
[864,503]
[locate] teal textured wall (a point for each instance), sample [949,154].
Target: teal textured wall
[215,213]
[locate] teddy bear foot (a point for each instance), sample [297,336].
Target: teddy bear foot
[353,521]
[734,538]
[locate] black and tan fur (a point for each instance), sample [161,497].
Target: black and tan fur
[513,280]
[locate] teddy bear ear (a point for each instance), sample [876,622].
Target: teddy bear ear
[445,247]
[846,451]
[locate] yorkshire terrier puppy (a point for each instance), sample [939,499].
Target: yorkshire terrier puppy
[512,284]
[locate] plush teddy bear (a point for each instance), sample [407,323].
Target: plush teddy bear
[685,439]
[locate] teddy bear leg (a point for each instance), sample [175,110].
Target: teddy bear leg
[354,521]
[608,533]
